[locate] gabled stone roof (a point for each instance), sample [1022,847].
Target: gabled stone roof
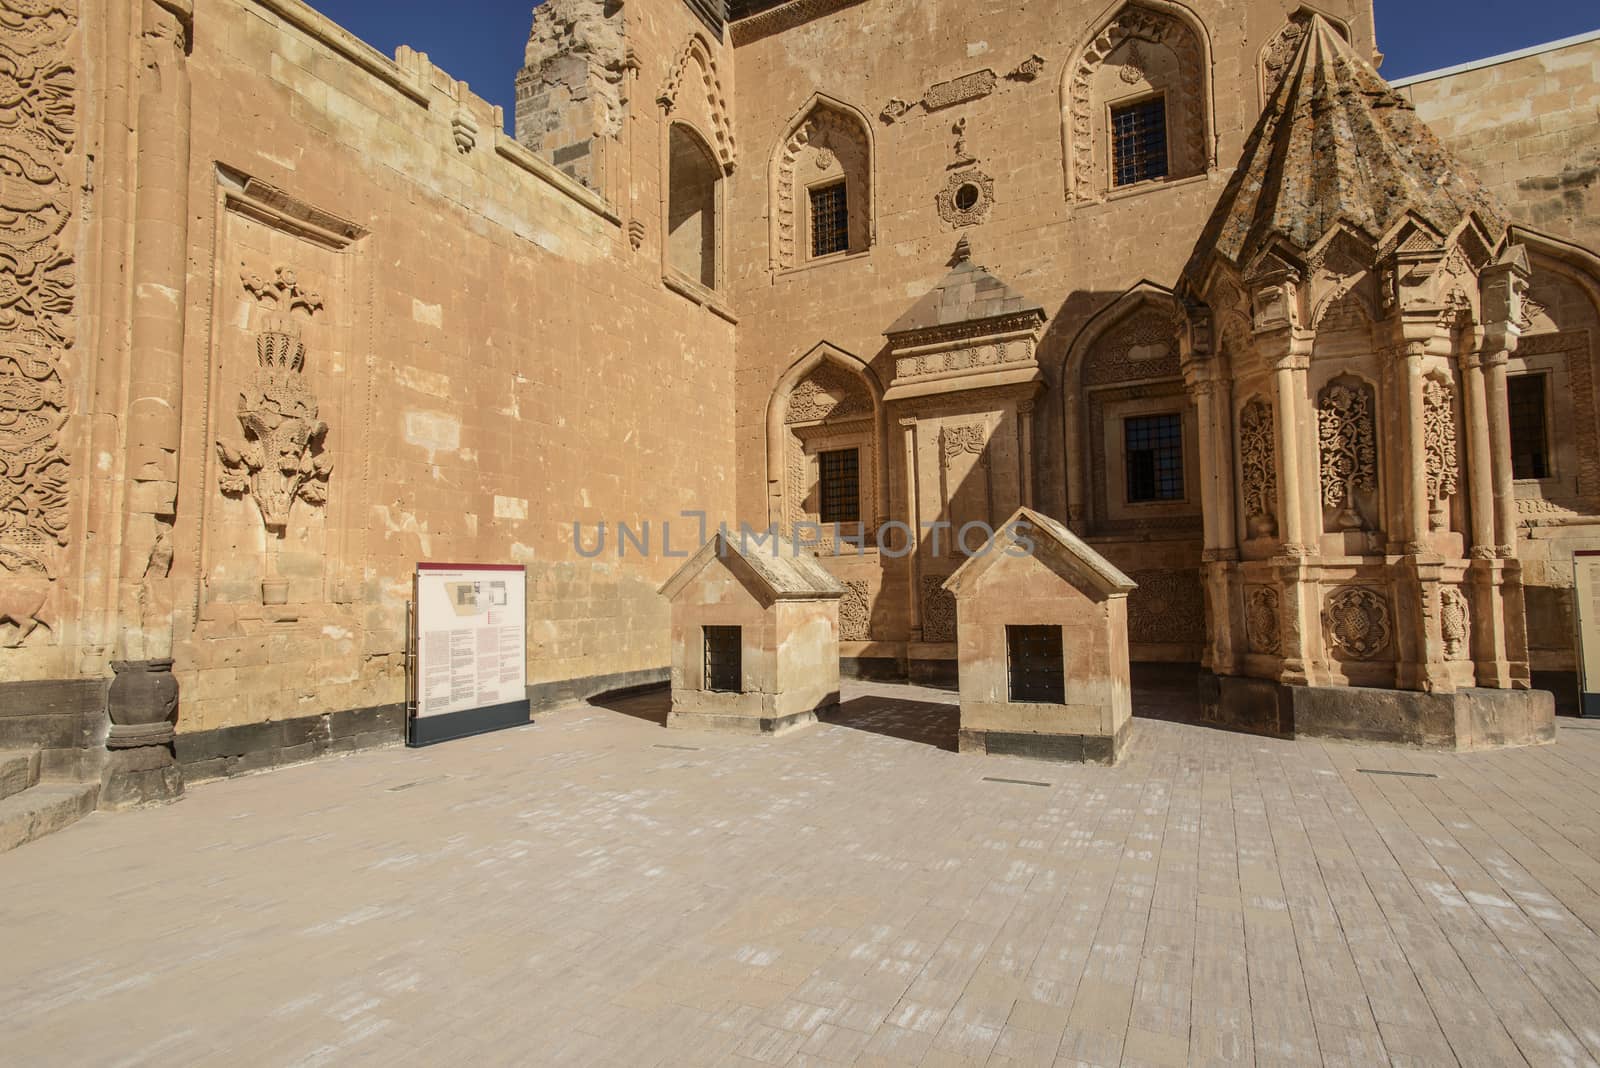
[1064,551]
[1337,145]
[968,294]
[785,572]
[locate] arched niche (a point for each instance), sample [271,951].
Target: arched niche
[827,399]
[1123,364]
[1142,51]
[827,144]
[694,93]
[694,208]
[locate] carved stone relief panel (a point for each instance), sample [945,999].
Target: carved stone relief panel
[938,610]
[855,612]
[1454,621]
[1168,608]
[1347,438]
[1358,622]
[1145,346]
[1439,446]
[1258,467]
[1261,620]
[38,130]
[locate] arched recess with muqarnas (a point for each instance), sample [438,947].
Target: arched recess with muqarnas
[1147,60]
[694,92]
[828,400]
[694,208]
[827,144]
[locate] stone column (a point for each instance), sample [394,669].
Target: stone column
[1484,575]
[144,696]
[914,521]
[1025,451]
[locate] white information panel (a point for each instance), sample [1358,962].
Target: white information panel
[1586,606]
[471,668]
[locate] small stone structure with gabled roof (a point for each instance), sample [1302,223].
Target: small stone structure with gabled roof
[1042,633]
[755,637]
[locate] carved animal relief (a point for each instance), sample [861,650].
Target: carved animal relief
[1439,444]
[38,126]
[281,459]
[1258,463]
[1357,621]
[1348,441]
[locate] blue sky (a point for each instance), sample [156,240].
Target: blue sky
[480,41]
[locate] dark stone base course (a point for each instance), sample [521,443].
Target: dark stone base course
[257,746]
[1465,720]
[144,776]
[1100,749]
[433,730]
[872,668]
[64,718]
[550,695]
[938,674]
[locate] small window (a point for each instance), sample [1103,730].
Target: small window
[1139,142]
[1154,452]
[839,478]
[830,220]
[724,659]
[1035,665]
[1530,435]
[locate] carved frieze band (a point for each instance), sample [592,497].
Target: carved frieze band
[38,131]
[968,358]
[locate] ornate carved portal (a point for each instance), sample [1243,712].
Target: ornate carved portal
[38,128]
[281,459]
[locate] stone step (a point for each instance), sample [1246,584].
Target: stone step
[37,811]
[19,769]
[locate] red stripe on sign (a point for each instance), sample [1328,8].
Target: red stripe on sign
[472,567]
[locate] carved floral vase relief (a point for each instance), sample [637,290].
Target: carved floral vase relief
[1348,437]
[280,458]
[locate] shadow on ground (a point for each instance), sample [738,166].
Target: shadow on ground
[650,705]
[911,721]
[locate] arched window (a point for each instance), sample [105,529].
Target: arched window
[694,208]
[1138,102]
[822,185]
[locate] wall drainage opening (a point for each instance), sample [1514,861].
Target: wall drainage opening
[1017,782]
[684,748]
[419,782]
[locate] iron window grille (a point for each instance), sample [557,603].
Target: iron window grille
[724,659]
[839,483]
[1154,451]
[1530,430]
[1139,142]
[1035,665]
[830,220]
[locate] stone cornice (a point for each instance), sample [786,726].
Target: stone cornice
[783,18]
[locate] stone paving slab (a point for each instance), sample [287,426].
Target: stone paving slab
[594,889]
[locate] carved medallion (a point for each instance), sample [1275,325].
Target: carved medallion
[1261,620]
[966,198]
[1357,620]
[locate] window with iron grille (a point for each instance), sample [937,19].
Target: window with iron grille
[1035,665]
[839,483]
[1154,453]
[1139,142]
[1530,432]
[830,220]
[724,659]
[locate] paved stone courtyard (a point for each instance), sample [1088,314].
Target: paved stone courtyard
[596,890]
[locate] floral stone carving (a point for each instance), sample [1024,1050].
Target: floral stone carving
[1358,623]
[38,282]
[938,611]
[855,612]
[1167,608]
[1258,464]
[1348,441]
[281,459]
[1439,444]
